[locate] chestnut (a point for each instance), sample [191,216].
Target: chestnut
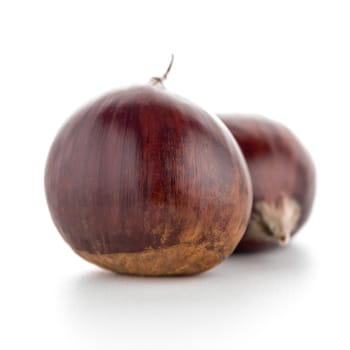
[283,178]
[142,181]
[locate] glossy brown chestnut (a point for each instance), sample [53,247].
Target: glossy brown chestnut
[283,178]
[144,182]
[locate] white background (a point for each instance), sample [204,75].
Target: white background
[288,60]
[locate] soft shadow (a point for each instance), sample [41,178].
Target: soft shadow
[239,287]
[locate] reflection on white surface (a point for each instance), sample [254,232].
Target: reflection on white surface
[245,291]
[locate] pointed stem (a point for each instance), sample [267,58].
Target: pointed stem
[160,80]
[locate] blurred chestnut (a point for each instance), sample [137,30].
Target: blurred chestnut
[283,178]
[144,182]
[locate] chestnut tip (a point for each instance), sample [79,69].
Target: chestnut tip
[274,222]
[283,241]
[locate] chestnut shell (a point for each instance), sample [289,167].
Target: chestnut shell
[144,182]
[281,170]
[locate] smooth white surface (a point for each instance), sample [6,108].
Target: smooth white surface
[286,60]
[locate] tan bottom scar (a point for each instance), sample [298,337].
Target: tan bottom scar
[181,259]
